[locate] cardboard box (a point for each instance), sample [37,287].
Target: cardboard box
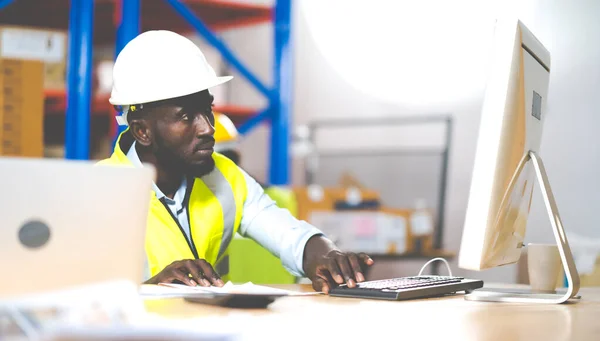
[21,108]
[363,231]
[409,239]
[317,198]
[36,44]
[312,198]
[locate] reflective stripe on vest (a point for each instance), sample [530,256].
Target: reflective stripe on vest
[217,183]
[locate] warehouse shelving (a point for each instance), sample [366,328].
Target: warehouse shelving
[443,151]
[90,23]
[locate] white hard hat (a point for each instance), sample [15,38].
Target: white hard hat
[159,65]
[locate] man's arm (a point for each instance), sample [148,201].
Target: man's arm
[302,248]
[274,228]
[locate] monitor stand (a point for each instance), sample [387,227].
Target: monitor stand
[520,296]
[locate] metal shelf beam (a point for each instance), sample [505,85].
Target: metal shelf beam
[129,28]
[254,121]
[79,80]
[4,3]
[282,104]
[212,39]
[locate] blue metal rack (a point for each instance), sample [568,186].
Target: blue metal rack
[4,3]
[79,79]
[79,75]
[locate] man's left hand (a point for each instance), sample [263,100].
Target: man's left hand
[327,266]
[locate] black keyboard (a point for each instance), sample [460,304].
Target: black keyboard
[408,287]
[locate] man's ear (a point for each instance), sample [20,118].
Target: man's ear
[140,129]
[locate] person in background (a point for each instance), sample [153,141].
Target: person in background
[227,143]
[200,198]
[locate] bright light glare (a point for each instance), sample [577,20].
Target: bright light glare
[423,52]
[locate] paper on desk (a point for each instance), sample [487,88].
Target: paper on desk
[171,289]
[246,288]
[170,331]
[160,291]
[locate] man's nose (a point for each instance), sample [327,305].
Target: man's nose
[204,127]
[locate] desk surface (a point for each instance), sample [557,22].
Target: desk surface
[451,318]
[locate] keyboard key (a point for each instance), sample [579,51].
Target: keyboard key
[408,282]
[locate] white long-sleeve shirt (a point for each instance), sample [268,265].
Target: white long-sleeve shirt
[272,227]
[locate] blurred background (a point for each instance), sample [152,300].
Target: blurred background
[376,114]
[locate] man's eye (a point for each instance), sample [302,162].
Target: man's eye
[185,117]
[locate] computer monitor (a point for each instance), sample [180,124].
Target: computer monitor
[507,162]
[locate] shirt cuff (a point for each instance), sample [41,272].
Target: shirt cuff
[297,256]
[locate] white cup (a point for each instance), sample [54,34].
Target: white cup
[543,265]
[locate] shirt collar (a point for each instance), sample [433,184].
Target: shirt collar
[133,156]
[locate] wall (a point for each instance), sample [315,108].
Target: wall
[401,58]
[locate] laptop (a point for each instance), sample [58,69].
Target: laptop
[69,224]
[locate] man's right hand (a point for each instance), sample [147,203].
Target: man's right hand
[201,272]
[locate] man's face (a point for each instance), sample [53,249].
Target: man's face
[182,136]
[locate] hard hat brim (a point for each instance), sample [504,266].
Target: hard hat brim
[201,87]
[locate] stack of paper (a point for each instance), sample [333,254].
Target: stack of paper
[174,290]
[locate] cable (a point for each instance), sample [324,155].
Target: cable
[433,260]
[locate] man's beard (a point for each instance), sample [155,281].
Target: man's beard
[175,163]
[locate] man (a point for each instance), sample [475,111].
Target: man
[161,83]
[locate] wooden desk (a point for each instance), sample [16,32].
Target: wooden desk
[449,318]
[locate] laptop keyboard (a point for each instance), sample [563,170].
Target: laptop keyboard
[402,283]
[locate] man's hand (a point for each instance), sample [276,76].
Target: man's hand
[327,266]
[201,272]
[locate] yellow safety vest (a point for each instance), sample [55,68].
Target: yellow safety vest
[214,212]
